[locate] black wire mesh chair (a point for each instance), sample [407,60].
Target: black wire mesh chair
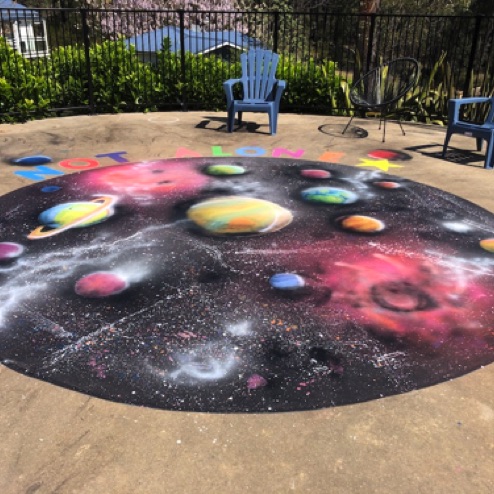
[380,89]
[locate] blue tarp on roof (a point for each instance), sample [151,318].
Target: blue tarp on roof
[194,41]
[18,12]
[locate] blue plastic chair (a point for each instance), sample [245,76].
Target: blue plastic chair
[481,131]
[261,90]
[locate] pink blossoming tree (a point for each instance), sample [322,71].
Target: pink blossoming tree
[130,17]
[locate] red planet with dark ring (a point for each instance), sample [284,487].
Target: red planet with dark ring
[389,154]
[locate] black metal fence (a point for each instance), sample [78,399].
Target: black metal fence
[75,57]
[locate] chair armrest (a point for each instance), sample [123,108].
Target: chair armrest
[280,87]
[228,87]
[455,104]
[472,99]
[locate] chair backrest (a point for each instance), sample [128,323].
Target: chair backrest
[385,84]
[475,110]
[490,114]
[258,74]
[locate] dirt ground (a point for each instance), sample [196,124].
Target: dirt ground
[438,439]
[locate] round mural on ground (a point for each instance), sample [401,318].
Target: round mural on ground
[165,285]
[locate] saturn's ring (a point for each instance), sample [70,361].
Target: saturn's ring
[106,202]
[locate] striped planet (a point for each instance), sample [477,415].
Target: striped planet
[233,215]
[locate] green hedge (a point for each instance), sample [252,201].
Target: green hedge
[122,83]
[23,87]
[313,84]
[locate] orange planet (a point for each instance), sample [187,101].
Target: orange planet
[361,224]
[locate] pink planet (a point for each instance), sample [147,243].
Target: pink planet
[315,173]
[10,250]
[100,284]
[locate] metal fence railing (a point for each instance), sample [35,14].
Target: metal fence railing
[103,60]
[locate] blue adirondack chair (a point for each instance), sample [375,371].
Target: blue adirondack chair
[481,131]
[261,90]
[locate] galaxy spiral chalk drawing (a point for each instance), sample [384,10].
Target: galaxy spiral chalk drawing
[243,284]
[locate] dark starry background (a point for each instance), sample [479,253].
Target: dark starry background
[200,327]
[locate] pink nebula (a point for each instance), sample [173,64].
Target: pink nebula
[411,298]
[161,177]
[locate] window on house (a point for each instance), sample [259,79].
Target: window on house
[38,30]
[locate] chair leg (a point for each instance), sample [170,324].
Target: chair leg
[348,124]
[446,142]
[231,120]
[488,155]
[273,121]
[401,127]
[479,144]
[384,129]
[240,118]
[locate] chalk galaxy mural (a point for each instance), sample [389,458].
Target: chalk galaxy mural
[243,285]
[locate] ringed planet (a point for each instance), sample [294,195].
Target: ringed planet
[73,215]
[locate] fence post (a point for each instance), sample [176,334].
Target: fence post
[473,53]
[183,80]
[370,42]
[85,36]
[276,30]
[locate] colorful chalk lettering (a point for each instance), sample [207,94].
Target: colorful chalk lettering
[83,163]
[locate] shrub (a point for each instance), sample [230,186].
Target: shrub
[311,84]
[120,81]
[23,86]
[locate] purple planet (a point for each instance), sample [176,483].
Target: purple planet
[10,250]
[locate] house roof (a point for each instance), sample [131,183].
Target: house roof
[10,10]
[197,42]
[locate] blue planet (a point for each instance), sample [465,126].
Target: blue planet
[50,188]
[287,281]
[34,160]
[329,195]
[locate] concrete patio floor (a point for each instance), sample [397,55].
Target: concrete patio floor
[436,440]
